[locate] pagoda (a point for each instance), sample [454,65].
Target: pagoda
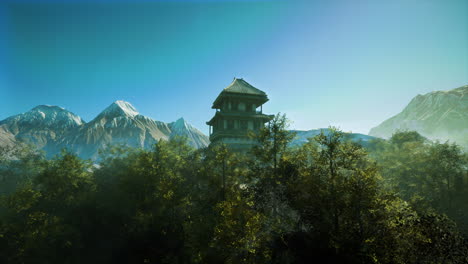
[238,111]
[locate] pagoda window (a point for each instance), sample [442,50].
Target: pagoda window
[230,124]
[225,124]
[241,106]
[254,107]
[250,124]
[229,105]
[236,124]
[243,124]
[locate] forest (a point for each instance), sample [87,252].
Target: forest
[402,200]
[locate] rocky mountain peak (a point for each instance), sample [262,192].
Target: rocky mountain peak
[181,128]
[52,128]
[119,108]
[179,124]
[46,115]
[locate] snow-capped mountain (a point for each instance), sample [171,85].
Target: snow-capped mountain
[118,109]
[42,126]
[44,116]
[118,123]
[181,128]
[439,115]
[52,128]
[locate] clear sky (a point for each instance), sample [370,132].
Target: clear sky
[351,64]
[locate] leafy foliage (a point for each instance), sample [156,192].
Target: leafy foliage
[402,201]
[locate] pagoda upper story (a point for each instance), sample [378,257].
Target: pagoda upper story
[238,111]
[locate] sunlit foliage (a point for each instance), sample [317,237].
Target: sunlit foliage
[329,201]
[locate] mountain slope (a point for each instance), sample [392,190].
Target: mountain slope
[42,126]
[195,137]
[118,123]
[52,128]
[440,115]
[6,138]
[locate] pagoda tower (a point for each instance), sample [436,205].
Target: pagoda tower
[238,111]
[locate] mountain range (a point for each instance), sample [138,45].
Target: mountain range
[52,128]
[439,115]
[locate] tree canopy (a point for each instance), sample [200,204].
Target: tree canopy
[330,200]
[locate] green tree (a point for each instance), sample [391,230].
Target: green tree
[174,204]
[66,179]
[400,138]
[150,201]
[430,175]
[19,164]
[44,214]
[273,140]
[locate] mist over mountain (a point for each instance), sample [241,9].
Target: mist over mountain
[52,128]
[439,115]
[302,136]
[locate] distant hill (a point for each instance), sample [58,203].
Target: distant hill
[52,128]
[302,136]
[439,115]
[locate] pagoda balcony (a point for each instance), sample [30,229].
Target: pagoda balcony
[231,133]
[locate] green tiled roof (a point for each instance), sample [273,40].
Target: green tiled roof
[242,89]
[241,86]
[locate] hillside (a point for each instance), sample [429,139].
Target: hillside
[439,115]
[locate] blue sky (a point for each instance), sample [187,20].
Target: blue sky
[350,64]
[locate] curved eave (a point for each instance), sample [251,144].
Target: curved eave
[260,99]
[212,119]
[266,118]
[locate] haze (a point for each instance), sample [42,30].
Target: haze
[350,64]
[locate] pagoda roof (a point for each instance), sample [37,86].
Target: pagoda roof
[241,87]
[241,115]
